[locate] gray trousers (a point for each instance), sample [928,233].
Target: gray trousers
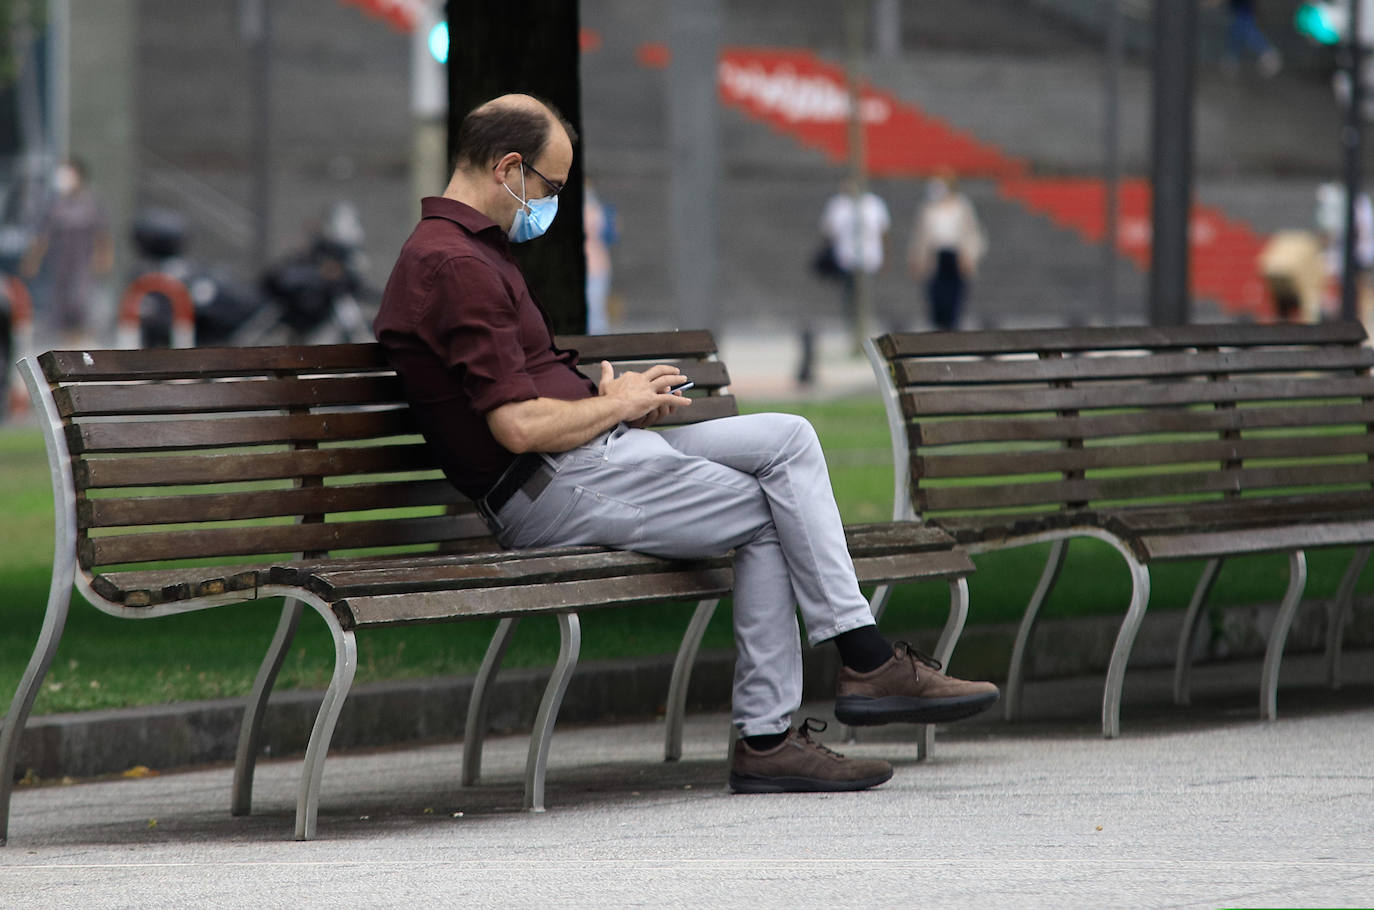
[756,484]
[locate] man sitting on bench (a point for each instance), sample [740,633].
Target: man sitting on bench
[553,459]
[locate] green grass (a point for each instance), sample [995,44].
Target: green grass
[105,662]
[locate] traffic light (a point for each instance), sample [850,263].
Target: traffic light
[1325,21]
[1328,21]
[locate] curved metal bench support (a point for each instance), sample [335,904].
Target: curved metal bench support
[479,703]
[345,666]
[944,650]
[536,765]
[1054,563]
[250,729]
[1183,656]
[1338,614]
[1278,635]
[59,588]
[1125,640]
[682,677]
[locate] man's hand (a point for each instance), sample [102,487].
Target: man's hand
[643,398]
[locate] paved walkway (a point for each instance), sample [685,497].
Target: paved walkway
[1197,807]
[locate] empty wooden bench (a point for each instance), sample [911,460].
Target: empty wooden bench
[1192,442]
[296,472]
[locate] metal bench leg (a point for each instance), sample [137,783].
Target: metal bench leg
[1338,613]
[570,635]
[944,650]
[54,621]
[250,729]
[1050,574]
[682,676]
[1278,635]
[345,665]
[1125,639]
[1183,657]
[475,727]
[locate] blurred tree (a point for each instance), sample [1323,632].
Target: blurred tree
[20,21]
[494,48]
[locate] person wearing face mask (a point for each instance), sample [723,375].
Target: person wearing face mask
[947,244]
[554,459]
[74,244]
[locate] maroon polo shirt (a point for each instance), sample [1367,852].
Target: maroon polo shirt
[462,330]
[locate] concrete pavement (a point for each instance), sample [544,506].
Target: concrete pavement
[1196,807]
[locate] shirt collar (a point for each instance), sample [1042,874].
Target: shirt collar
[459,213]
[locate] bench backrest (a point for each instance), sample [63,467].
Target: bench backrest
[1036,421]
[246,454]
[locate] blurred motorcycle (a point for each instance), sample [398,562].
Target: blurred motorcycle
[308,297]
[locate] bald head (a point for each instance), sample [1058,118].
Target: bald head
[511,123]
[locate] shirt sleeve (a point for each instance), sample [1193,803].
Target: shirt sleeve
[477,331]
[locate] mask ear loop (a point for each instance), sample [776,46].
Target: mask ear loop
[523,197]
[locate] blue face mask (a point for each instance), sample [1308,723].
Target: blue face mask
[533,217]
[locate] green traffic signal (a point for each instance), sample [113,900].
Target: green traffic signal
[1317,22]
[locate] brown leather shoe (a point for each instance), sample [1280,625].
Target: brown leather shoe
[802,765]
[909,688]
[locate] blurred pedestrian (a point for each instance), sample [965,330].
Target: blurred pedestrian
[855,224]
[947,243]
[599,226]
[1246,40]
[71,249]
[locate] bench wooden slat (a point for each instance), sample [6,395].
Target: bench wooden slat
[1022,461]
[944,564]
[525,600]
[707,374]
[178,363]
[148,587]
[712,408]
[1173,365]
[1018,492]
[254,540]
[530,570]
[156,398]
[657,346]
[1100,338]
[1241,512]
[1274,539]
[1030,399]
[182,470]
[152,435]
[1163,420]
[159,510]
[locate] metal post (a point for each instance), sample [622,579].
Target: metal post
[1351,145]
[255,21]
[1111,155]
[856,15]
[1175,62]
[694,172]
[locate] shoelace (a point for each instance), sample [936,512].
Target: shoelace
[917,655]
[814,725]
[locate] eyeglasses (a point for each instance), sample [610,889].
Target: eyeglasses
[556,187]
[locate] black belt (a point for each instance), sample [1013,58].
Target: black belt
[523,474]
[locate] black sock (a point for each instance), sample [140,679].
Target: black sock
[765,741]
[863,649]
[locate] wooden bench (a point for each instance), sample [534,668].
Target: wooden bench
[296,472]
[1194,442]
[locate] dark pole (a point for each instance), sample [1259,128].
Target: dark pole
[256,25]
[694,146]
[1111,155]
[1175,35]
[495,49]
[1351,143]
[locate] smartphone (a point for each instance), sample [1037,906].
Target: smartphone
[682,387]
